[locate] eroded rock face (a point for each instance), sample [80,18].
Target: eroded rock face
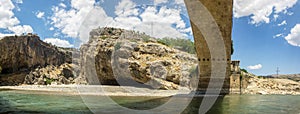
[272,86]
[122,55]
[53,75]
[21,53]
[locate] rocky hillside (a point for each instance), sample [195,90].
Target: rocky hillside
[20,53]
[269,84]
[295,77]
[122,55]
[258,85]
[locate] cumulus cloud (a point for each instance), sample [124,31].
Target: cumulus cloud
[58,42]
[294,37]
[282,23]
[157,22]
[166,22]
[7,18]
[255,67]
[261,10]
[40,14]
[8,21]
[70,20]
[21,29]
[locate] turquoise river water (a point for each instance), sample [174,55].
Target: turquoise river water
[12,101]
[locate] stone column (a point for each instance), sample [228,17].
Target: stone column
[221,11]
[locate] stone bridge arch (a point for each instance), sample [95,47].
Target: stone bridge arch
[221,11]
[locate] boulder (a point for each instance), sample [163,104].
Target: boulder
[56,75]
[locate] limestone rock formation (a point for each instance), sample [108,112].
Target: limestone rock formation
[52,75]
[260,85]
[21,53]
[122,55]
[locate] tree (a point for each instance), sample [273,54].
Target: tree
[0,69]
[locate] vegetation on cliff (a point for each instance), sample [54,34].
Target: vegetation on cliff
[185,45]
[126,55]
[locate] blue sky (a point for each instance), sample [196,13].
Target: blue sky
[266,33]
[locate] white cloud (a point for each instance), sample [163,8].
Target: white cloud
[180,2]
[282,23]
[62,5]
[51,28]
[21,29]
[58,42]
[294,37]
[3,35]
[255,67]
[7,18]
[8,21]
[276,17]
[126,8]
[40,14]
[290,13]
[278,35]
[69,20]
[166,22]
[19,1]
[160,1]
[261,10]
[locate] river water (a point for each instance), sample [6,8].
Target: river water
[12,101]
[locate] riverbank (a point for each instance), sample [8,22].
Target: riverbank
[263,86]
[272,86]
[98,90]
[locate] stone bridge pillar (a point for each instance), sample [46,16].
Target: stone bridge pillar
[221,11]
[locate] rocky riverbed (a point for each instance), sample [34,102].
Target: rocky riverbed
[259,85]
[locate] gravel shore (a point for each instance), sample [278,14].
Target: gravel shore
[99,90]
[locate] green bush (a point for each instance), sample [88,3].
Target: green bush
[49,81]
[117,45]
[185,45]
[146,38]
[244,70]
[103,37]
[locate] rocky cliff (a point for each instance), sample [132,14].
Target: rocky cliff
[20,53]
[122,55]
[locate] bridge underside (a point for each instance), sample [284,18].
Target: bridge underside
[221,11]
